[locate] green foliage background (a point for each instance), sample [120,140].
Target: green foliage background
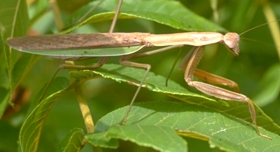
[256,69]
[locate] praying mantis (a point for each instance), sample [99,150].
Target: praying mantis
[128,45]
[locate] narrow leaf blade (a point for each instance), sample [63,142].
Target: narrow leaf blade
[31,129]
[170,13]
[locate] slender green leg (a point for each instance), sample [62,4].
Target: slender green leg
[159,51]
[124,61]
[116,16]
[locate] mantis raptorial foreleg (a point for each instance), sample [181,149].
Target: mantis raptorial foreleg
[190,64]
[208,77]
[215,79]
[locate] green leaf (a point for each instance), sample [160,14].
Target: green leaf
[270,86]
[121,73]
[73,141]
[157,137]
[14,21]
[155,83]
[31,129]
[170,13]
[222,131]
[101,140]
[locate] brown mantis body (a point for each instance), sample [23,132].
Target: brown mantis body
[107,40]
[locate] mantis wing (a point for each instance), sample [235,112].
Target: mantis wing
[80,45]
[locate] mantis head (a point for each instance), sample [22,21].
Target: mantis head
[231,40]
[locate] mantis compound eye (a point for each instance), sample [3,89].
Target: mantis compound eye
[231,41]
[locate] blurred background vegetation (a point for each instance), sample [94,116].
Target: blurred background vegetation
[256,69]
